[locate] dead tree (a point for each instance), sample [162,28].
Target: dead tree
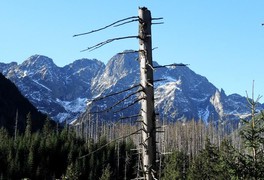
[147,102]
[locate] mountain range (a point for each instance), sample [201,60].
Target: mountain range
[75,90]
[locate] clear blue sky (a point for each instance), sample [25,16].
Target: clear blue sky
[222,39]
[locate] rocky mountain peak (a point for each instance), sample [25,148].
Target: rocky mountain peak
[37,67]
[83,63]
[84,67]
[4,68]
[122,64]
[38,61]
[119,67]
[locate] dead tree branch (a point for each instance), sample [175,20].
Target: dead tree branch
[106,42]
[158,80]
[128,52]
[114,105]
[157,23]
[174,64]
[114,23]
[116,93]
[153,19]
[126,22]
[156,18]
[136,101]
[127,117]
[117,139]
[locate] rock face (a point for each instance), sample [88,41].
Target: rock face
[62,92]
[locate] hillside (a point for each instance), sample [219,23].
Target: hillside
[12,102]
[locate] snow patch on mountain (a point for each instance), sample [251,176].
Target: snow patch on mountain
[203,114]
[167,90]
[61,117]
[201,99]
[75,106]
[42,85]
[24,74]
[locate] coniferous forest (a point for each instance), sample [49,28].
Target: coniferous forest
[52,153]
[187,150]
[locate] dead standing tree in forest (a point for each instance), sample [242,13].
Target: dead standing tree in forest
[147,103]
[148,127]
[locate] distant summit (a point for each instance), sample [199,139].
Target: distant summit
[38,61]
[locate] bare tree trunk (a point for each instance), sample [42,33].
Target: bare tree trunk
[16,122]
[147,102]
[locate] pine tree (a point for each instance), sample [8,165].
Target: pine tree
[16,125]
[228,160]
[28,126]
[72,172]
[47,128]
[207,164]
[5,149]
[176,166]
[106,175]
[252,162]
[30,161]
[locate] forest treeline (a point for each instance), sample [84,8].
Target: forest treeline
[196,149]
[99,150]
[56,154]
